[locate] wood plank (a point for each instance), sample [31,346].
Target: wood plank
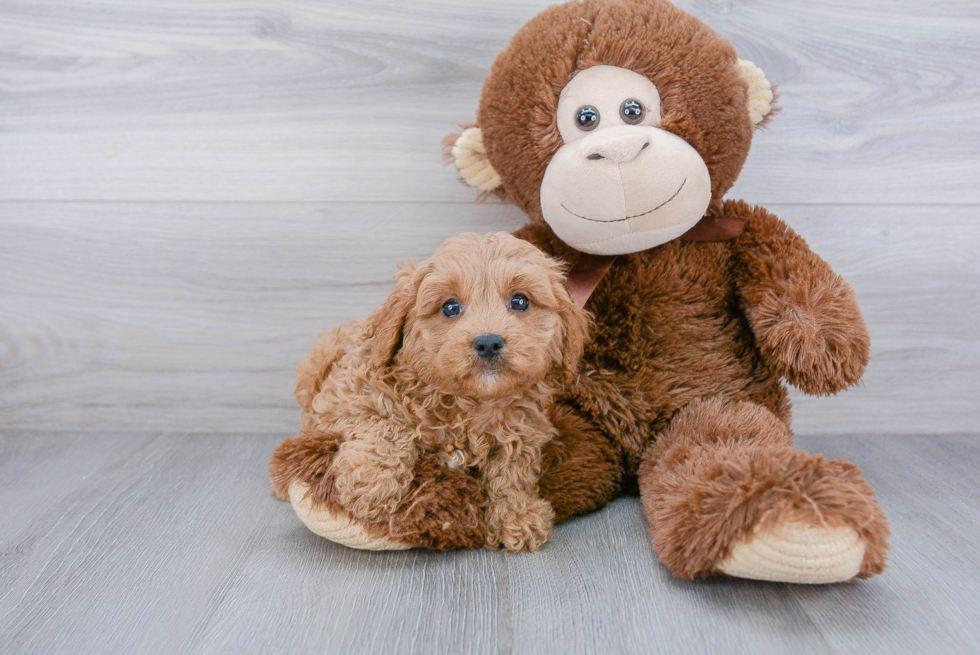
[178,546]
[39,471]
[916,272]
[170,542]
[927,489]
[146,308]
[193,316]
[300,101]
[609,590]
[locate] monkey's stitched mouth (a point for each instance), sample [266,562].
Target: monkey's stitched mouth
[626,218]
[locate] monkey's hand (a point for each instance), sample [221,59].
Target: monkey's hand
[807,323]
[812,334]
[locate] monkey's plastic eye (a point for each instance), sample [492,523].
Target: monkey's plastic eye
[587,118]
[520,303]
[451,308]
[632,111]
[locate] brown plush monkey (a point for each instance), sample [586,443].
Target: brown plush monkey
[618,126]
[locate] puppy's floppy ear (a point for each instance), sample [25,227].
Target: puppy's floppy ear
[387,323]
[577,323]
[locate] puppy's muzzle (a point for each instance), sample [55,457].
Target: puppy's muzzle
[488,346]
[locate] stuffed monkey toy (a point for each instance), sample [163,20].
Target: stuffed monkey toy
[618,126]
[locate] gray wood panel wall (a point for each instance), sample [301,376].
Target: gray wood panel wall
[190,190]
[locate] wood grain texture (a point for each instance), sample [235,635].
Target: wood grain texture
[303,100]
[147,543]
[194,316]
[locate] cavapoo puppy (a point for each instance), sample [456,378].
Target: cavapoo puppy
[460,364]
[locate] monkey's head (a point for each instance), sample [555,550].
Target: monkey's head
[617,122]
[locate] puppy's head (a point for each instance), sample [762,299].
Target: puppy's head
[485,316]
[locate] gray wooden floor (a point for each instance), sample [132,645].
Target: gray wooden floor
[191,189]
[168,542]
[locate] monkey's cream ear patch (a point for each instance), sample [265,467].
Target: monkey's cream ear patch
[760,91]
[471,160]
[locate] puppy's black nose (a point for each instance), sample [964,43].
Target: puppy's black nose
[488,346]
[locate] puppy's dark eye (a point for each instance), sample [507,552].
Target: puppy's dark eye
[519,303]
[587,118]
[632,111]
[451,308]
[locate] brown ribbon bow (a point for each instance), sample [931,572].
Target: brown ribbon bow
[590,269]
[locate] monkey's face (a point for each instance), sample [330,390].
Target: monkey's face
[617,123]
[619,183]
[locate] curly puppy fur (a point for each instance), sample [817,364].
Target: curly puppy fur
[386,394]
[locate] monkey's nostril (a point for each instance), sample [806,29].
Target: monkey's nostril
[488,346]
[594,156]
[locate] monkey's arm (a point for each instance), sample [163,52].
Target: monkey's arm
[805,317]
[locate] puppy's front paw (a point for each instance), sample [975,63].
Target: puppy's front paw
[521,526]
[369,491]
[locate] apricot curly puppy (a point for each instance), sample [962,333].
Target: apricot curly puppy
[460,363]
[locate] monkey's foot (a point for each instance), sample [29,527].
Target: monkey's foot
[796,552]
[337,526]
[726,492]
[442,511]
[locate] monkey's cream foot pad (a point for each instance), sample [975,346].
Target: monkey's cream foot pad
[795,552]
[338,528]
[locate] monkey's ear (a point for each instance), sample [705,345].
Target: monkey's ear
[471,161]
[760,91]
